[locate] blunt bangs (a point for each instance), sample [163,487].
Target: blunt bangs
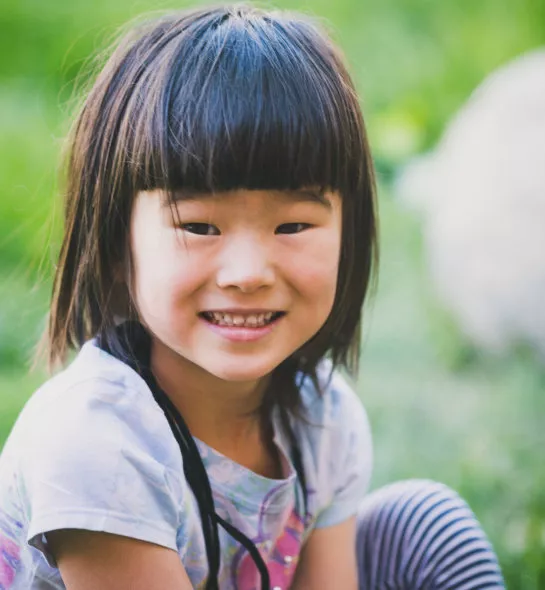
[236,99]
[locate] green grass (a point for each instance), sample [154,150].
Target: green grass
[438,409]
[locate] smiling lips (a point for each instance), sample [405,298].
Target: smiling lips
[241,320]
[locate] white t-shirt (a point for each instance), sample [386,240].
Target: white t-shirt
[93,450]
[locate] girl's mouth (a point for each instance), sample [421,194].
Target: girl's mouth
[240,320]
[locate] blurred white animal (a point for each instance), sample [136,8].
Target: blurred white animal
[482,196]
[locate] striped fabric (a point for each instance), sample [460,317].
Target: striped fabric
[420,535]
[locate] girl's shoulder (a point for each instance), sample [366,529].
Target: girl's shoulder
[97,402]
[334,437]
[93,372]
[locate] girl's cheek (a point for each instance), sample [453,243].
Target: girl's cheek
[316,272]
[162,255]
[183,275]
[318,260]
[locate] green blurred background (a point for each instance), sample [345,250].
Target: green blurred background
[438,409]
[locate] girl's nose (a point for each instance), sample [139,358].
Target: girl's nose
[245,265]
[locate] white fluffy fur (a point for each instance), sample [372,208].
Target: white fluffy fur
[482,196]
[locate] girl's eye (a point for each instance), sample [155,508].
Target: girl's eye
[201,229]
[292,228]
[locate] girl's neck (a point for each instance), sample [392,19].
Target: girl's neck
[224,415]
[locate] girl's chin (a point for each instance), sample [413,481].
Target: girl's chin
[238,374]
[245,369]
[235,367]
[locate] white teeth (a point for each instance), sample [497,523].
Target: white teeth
[238,320]
[252,320]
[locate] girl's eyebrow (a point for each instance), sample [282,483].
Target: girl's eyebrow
[303,195]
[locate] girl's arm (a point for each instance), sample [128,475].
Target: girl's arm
[90,560]
[328,559]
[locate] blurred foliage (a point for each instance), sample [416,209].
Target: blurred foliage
[444,412]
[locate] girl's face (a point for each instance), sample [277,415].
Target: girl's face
[233,283]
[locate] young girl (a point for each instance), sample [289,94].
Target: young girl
[219,243]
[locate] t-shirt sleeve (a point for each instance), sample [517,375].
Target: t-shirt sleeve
[347,454]
[101,461]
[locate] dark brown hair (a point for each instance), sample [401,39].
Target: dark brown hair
[211,100]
